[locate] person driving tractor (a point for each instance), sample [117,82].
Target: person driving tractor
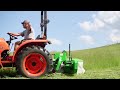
[28,33]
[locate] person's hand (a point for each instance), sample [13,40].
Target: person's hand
[10,33]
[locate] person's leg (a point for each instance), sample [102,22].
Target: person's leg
[16,45]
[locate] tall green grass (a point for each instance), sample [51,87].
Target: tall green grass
[99,58]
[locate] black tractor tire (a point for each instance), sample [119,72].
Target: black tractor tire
[33,62]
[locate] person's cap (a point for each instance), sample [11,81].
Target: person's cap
[25,21]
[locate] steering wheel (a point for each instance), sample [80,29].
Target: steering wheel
[11,36]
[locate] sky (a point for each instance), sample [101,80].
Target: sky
[81,29]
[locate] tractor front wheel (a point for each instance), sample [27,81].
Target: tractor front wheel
[32,63]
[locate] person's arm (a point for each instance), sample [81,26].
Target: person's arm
[15,34]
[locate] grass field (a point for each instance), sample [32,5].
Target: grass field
[99,63]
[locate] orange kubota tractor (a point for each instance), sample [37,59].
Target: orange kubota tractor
[31,59]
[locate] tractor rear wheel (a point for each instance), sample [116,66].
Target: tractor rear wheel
[32,62]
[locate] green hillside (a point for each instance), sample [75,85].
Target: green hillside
[100,58]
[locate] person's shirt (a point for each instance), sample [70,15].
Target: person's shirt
[28,34]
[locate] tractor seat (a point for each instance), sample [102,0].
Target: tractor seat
[38,37]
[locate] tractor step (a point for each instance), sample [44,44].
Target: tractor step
[6,62]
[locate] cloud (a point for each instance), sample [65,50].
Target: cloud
[87,39]
[95,25]
[101,20]
[115,36]
[55,41]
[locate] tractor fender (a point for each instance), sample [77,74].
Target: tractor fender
[3,45]
[28,43]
